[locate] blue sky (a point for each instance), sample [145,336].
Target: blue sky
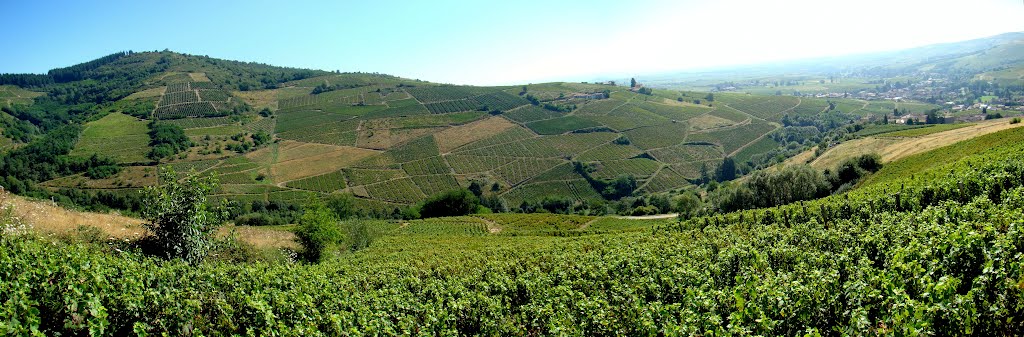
[492,42]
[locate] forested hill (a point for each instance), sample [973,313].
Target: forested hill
[118,75]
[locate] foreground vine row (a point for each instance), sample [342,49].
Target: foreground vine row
[940,254]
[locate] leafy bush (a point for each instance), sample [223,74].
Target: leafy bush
[1015,120]
[358,234]
[100,172]
[853,170]
[686,204]
[318,232]
[179,220]
[452,203]
[343,205]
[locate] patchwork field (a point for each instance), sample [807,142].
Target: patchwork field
[391,141]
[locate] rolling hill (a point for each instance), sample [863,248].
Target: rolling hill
[392,142]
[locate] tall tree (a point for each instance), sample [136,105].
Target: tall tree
[727,171]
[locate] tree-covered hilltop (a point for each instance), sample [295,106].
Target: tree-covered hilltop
[118,75]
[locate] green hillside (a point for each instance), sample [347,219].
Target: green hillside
[284,135]
[937,253]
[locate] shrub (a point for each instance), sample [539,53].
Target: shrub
[452,203]
[1015,120]
[852,170]
[686,205]
[343,205]
[358,235]
[179,220]
[318,232]
[101,172]
[644,210]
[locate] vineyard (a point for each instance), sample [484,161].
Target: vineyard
[194,123]
[194,109]
[500,101]
[178,98]
[561,125]
[452,106]
[658,136]
[664,180]
[464,164]
[688,153]
[531,113]
[522,169]
[177,87]
[733,138]
[609,151]
[447,93]
[443,227]
[432,165]
[326,183]
[934,255]
[639,167]
[434,184]
[402,191]
[357,177]
[578,190]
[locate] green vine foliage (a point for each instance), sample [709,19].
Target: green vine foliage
[939,254]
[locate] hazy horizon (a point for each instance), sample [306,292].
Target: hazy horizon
[465,42]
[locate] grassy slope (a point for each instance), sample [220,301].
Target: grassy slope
[895,148]
[116,135]
[911,166]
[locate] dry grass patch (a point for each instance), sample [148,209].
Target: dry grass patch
[454,137]
[704,122]
[264,156]
[45,218]
[129,177]
[153,92]
[48,218]
[892,148]
[260,99]
[383,139]
[262,237]
[198,77]
[298,160]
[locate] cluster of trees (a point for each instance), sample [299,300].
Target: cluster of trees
[611,189]
[769,188]
[564,108]
[823,121]
[42,159]
[248,142]
[166,140]
[533,100]
[26,80]
[83,70]
[324,87]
